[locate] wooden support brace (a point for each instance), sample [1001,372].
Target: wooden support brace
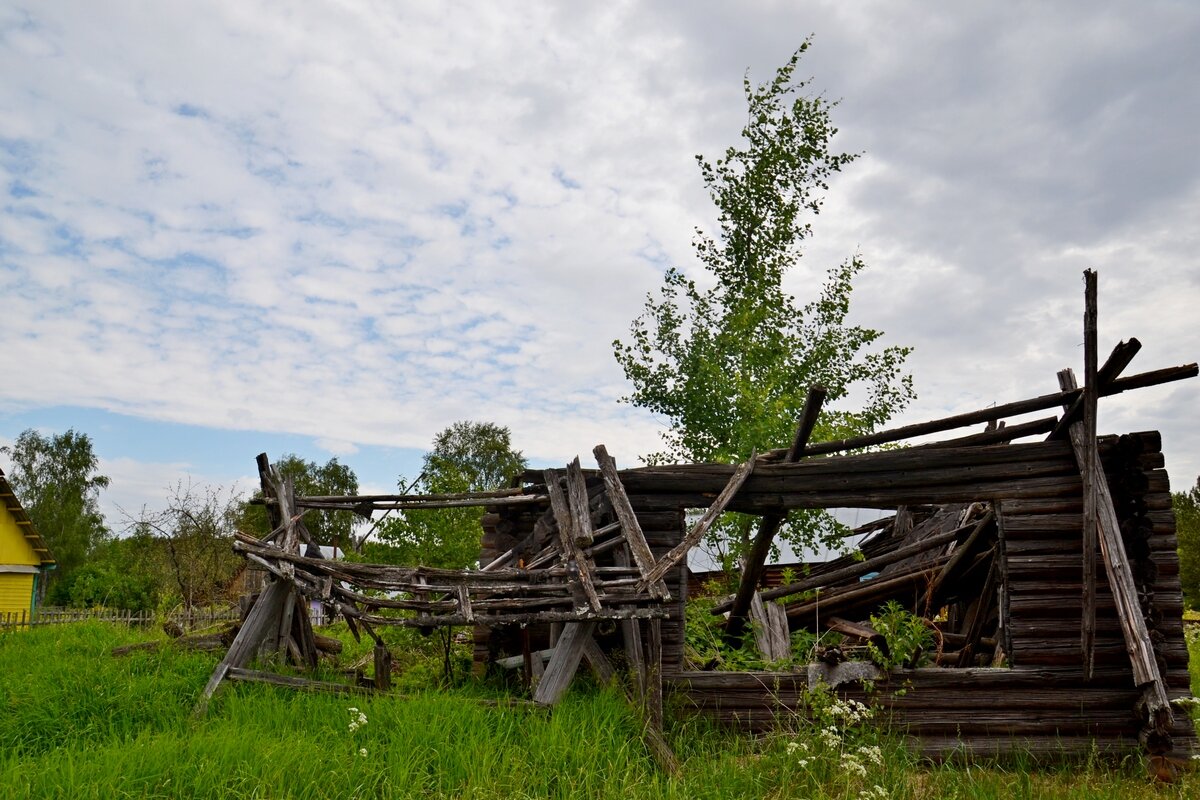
[634,538]
[261,622]
[679,552]
[564,662]
[601,666]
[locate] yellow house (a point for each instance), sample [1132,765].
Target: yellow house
[23,555]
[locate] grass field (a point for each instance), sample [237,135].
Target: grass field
[76,722]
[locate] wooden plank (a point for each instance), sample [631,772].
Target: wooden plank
[291,682]
[564,662]
[634,538]
[1005,612]
[631,634]
[654,676]
[770,629]
[263,618]
[577,495]
[960,553]
[875,589]
[566,532]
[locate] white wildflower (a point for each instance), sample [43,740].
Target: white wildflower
[362,751]
[852,765]
[871,753]
[829,737]
[357,719]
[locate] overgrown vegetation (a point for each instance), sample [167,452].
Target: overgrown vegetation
[910,641]
[79,723]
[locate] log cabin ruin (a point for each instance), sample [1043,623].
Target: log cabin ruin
[1040,554]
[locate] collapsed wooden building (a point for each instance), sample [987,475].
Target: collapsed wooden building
[1041,554]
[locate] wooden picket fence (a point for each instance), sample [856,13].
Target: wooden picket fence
[188,620]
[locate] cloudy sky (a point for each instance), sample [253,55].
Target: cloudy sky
[336,228]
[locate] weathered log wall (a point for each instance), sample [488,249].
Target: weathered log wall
[1041,702]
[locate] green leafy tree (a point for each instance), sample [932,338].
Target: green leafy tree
[57,481]
[465,457]
[728,365]
[311,479]
[124,573]
[1187,533]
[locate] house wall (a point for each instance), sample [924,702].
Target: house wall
[18,566]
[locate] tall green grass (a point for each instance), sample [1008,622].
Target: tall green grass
[76,722]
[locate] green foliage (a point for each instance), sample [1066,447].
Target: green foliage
[99,585]
[729,366]
[465,457]
[705,646]
[310,479]
[1187,533]
[909,638]
[704,642]
[56,479]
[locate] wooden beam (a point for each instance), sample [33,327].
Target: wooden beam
[1112,368]
[577,494]
[1092,473]
[1057,399]
[756,559]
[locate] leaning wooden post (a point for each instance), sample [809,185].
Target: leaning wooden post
[1146,674]
[756,559]
[1092,474]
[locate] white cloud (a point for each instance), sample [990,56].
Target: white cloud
[361,222]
